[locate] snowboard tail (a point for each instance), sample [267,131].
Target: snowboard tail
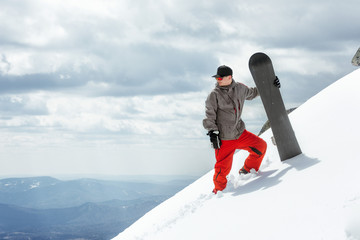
[262,70]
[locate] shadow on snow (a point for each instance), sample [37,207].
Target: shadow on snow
[267,179]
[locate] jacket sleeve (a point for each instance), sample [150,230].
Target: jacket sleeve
[251,93]
[211,106]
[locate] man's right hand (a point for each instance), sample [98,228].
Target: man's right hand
[214,139]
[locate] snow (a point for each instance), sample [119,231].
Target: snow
[35,185]
[315,195]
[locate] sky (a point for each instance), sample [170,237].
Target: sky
[118,87]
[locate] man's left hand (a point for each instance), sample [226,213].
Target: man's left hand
[277,82]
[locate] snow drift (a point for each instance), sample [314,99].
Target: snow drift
[315,195]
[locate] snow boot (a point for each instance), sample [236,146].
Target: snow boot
[243,171]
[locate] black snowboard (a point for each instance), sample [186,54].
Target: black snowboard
[262,70]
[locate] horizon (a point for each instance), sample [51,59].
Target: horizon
[105,177]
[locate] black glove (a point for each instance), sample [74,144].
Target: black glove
[214,139]
[277,82]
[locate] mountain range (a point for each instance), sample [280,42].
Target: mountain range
[48,208]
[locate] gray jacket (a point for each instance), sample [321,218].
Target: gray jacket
[224,106]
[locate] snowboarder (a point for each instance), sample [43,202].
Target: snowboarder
[226,129]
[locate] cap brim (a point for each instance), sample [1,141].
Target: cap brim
[216,76]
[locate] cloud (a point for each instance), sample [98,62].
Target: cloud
[15,105]
[146,71]
[96,76]
[35,82]
[122,120]
[146,48]
[128,58]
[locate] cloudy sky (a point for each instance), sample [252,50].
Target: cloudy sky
[118,86]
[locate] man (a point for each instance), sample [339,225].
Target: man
[226,129]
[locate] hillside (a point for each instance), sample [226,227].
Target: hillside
[87,221]
[48,192]
[312,196]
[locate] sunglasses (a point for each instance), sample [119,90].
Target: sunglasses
[219,78]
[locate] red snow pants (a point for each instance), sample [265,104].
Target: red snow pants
[224,156]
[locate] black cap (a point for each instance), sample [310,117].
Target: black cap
[223,71]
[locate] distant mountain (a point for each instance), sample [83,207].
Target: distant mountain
[48,208]
[48,192]
[88,221]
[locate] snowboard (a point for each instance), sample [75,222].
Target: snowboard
[262,71]
[356,59]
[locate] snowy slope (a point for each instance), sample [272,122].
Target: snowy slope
[315,195]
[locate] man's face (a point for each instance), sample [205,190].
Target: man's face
[224,81]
